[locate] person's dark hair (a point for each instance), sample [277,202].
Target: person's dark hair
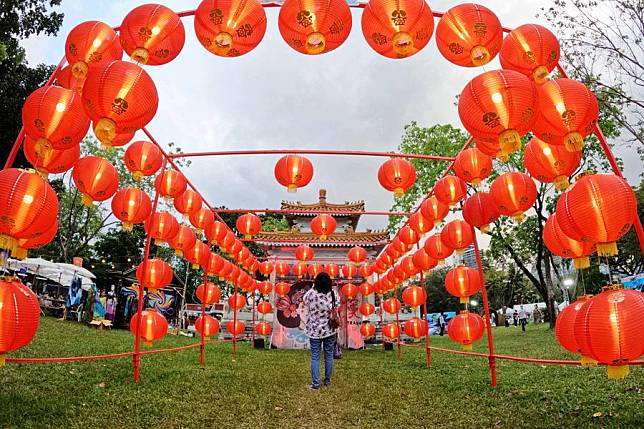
[322,283]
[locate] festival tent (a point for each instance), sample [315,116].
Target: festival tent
[55,271]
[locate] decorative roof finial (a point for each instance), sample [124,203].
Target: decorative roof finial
[322,195]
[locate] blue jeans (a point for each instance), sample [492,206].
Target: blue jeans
[328,344]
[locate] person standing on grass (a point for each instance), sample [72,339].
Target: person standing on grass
[321,325]
[441,323]
[536,314]
[515,318]
[523,319]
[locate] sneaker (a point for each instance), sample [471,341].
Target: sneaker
[313,387]
[327,383]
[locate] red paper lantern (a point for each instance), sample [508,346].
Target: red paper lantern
[397,29]
[561,245]
[357,255]
[599,208]
[152,34]
[366,309]
[216,232]
[349,271]
[397,175]
[25,244]
[282,269]
[235,328]
[198,255]
[419,224]
[434,210]
[550,163]
[249,225]
[531,50]
[408,266]
[314,270]
[332,270]
[131,206]
[299,269]
[462,282]
[282,289]
[202,219]
[492,149]
[153,326]
[236,301]
[366,289]
[423,261]
[170,183]
[365,270]
[54,117]
[228,242]
[480,211]
[154,273]
[265,288]
[469,35]
[472,165]
[188,202]
[367,330]
[230,28]
[457,234]
[162,226]
[293,171]
[28,207]
[568,112]
[499,106]
[19,315]
[437,249]
[391,305]
[66,79]
[183,240]
[90,45]
[266,268]
[400,273]
[95,178]
[323,225]
[304,253]
[415,328]
[225,270]
[349,290]
[391,331]
[608,329]
[408,236]
[263,329]
[142,159]
[513,194]
[54,161]
[119,98]
[466,329]
[449,190]
[207,326]
[315,27]
[565,326]
[264,307]
[215,264]
[414,296]
[208,293]
[121,139]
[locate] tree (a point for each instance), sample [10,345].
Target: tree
[20,19]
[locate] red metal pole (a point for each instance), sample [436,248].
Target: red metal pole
[136,358]
[202,342]
[486,307]
[399,332]
[252,335]
[235,320]
[346,323]
[428,351]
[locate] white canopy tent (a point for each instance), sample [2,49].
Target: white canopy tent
[55,271]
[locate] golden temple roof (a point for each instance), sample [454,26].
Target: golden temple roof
[299,208]
[341,239]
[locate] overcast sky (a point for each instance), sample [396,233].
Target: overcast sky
[276,98]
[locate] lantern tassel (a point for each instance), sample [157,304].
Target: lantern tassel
[573,142]
[147,343]
[465,299]
[479,55]
[127,226]
[19,253]
[399,192]
[509,141]
[540,75]
[581,263]
[2,360]
[607,249]
[617,372]
[585,360]
[467,347]
[87,200]
[105,131]
[561,183]
[292,188]
[137,176]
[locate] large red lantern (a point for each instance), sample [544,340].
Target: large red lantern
[153,326]
[266,268]
[131,206]
[469,35]
[332,270]
[434,210]
[119,98]
[419,224]
[349,290]
[462,282]
[54,161]
[480,211]
[391,305]
[162,226]
[225,270]
[95,178]
[54,117]
[90,45]
[207,326]
[414,296]
[323,225]
[367,330]
[293,171]
[304,253]
[263,329]
[437,249]
[170,183]
[282,289]
[265,287]
[299,269]
[236,301]
[28,207]
[208,293]
[397,29]
[472,165]
[152,34]
[235,328]
[315,27]
[19,316]
[202,219]
[423,261]
[264,307]
[608,329]
[466,328]
[349,271]
[408,266]
[216,232]
[183,240]
[598,208]
[198,255]
[365,270]
[230,28]
[366,309]
[550,163]
[492,149]
[513,194]
[449,190]
[531,50]
[457,234]
[397,175]
[314,270]
[561,245]
[154,273]
[142,159]
[357,255]
[408,236]
[282,269]
[391,331]
[415,328]
[249,225]
[25,244]
[499,106]
[568,112]
[66,79]
[565,326]
[188,202]
[215,264]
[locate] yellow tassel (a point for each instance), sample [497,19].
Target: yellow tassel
[79,69]
[137,176]
[195,266]
[315,43]
[127,226]
[399,192]
[509,141]
[19,253]
[485,228]
[292,188]
[464,299]
[105,131]
[581,263]
[518,217]
[467,347]
[140,55]
[87,200]
[585,360]
[476,182]
[561,183]
[607,249]
[402,43]
[178,252]
[323,237]
[573,142]
[540,75]
[159,242]
[479,55]
[617,372]
[2,360]
[147,343]
[222,43]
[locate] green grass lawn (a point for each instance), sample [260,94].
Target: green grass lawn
[266,388]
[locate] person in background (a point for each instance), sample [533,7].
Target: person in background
[515,318]
[506,319]
[320,302]
[441,323]
[493,317]
[523,319]
[536,314]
